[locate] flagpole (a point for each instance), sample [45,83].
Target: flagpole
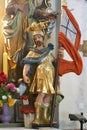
[56,83]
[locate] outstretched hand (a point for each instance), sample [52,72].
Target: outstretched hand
[26,79]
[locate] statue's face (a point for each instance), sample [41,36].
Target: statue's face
[38,39]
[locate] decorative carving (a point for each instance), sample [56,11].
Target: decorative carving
[83,48]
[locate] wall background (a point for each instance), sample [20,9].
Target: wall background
[74,87]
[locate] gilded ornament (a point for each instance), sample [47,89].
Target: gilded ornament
[83,48]
[64,3]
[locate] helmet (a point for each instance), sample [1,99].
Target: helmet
[38,32]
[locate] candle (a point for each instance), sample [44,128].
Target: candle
[5,63]
[5,40]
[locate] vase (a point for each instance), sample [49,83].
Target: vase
[5,117]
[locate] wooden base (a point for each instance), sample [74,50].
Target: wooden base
[36,126]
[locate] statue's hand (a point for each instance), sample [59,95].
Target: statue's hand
[26,79]
[50,46]
[52,15]
[61,52]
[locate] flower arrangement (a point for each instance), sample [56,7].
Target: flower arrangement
[26,108]
[7,91]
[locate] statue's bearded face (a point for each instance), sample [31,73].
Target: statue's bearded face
[38,39]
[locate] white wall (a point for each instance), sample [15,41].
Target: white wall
[74,87]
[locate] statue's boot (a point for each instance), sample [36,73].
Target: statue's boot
[37,113]
[45,113]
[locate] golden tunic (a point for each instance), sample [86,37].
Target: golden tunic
[44,76]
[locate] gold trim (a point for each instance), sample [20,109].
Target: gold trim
[64,3]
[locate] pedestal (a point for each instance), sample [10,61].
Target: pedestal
[28,118]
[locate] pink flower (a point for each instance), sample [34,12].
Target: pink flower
[11,86]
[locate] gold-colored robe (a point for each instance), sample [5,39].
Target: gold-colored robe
[44,75]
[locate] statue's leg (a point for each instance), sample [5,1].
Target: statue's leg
[45,113]
[37,113]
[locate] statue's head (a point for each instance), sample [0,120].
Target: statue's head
[38,37]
